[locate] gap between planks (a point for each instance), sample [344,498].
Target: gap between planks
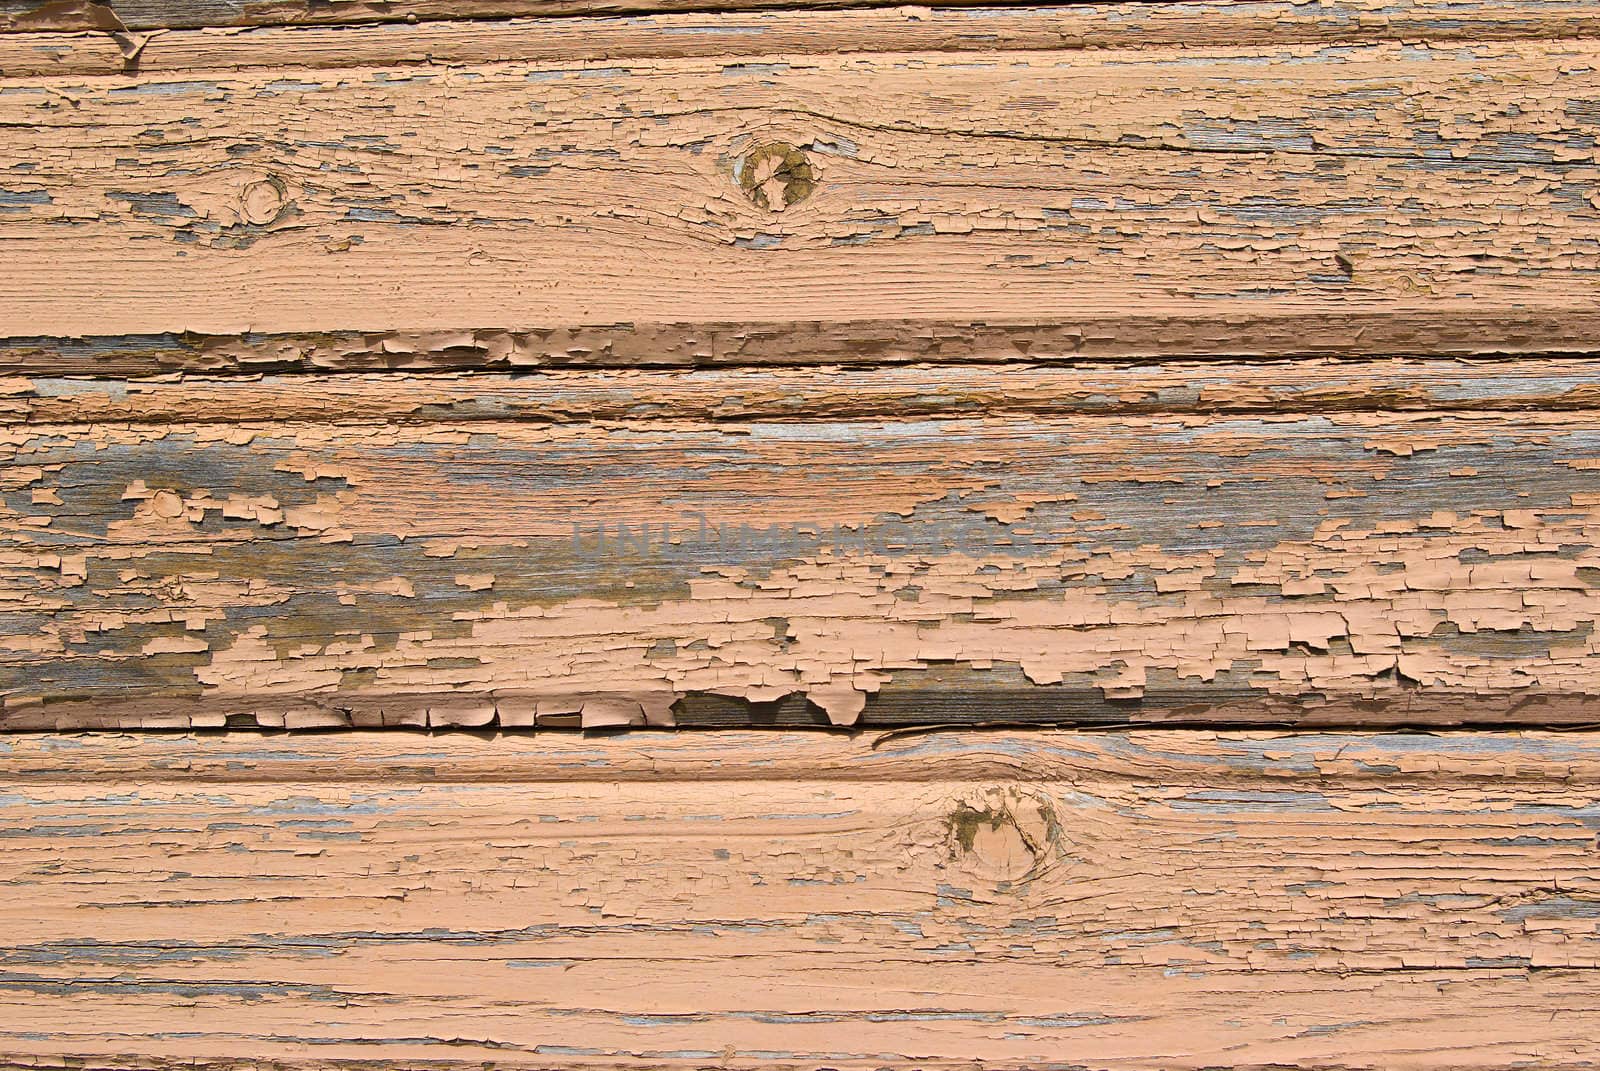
[1152,755]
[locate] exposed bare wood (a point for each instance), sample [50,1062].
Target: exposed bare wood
[973,900]
[1179,758]
[1333,567]
[1131,339]
[1370,200]
[732,395]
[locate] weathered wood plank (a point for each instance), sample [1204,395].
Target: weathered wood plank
[566,396]
[126,15]
[1273,200]
[1333,567]
[971,900]
[1265,21]
[1192,23]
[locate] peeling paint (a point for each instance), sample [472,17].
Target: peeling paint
[1182,898]
[1096,567]
[1377,197]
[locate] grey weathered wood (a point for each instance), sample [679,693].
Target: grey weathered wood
[382,562]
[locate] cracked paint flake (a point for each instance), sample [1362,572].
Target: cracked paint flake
[414,574]
[1219,198]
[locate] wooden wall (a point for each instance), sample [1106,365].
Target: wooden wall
[1108,495]
[760,900]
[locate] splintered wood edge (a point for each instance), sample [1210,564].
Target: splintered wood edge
[1333,336]
[732,395]
[946,753]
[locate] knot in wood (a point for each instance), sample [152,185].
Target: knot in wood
[1003,838]
[263,201]
[776,175]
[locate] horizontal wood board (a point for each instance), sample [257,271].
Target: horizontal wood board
[1362,198]
[1146,543]
[974,900]
[796,30]
[934,373]
[1416,17]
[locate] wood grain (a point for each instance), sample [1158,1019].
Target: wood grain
[731,395]
[1264,21]
[971,900]
[1377,199]
[896,369]
[1260,23]
[675,548]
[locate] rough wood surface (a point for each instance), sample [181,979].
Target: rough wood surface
[1045,900]
[893,370]
[1262,20]
[1371,199]
[671,546]
[731,395]
[127,15]
[799,32]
